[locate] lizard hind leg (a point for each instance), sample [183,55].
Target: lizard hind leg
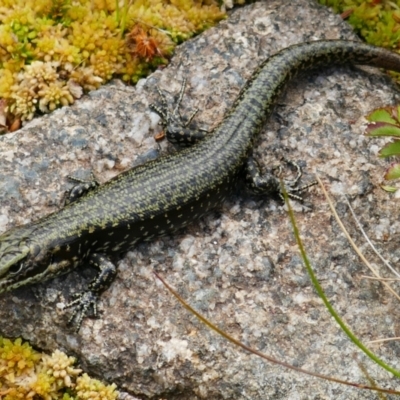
[270,182]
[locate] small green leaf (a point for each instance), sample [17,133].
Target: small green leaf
[16,26]
[393,172]
[32,35]
[390,189]
[390,149]
[382,129]
[381,115]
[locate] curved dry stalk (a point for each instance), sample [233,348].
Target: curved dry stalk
[355,247]
[373,278]
[262,355]
[368,240]
[383,340]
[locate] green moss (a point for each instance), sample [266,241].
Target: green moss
[377,21]
[26,373]
[85,43]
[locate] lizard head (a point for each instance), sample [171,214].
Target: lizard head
[20,260]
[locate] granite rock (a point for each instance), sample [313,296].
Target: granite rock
[239,265]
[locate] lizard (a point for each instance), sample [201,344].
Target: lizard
[99,223]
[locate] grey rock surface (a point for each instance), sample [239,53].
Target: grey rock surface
[239,266]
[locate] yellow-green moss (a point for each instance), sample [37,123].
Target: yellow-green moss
[28,374]
[53,50]
[86,386]
[376,21]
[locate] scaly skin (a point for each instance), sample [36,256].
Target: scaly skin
[168,193]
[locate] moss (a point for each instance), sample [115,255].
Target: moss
[88,388]
[377,21]
[72,44]
[28,374]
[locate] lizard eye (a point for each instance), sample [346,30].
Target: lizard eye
[16,268]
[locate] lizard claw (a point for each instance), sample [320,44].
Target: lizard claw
[82,304]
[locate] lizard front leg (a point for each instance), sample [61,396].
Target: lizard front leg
[177,130]
[88,299]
